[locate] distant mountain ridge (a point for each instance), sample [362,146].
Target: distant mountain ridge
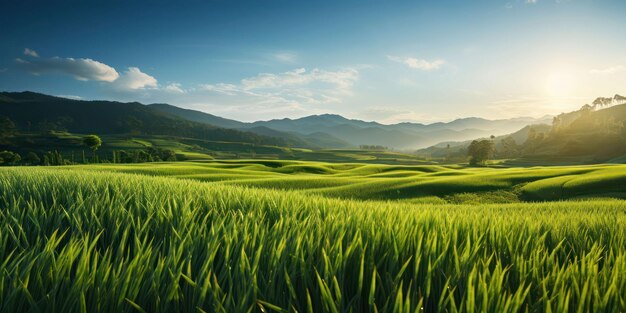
[314,131]
[353,132]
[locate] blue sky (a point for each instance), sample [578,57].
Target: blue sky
[389,61]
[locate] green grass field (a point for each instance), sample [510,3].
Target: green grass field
[415,183]
[287,236]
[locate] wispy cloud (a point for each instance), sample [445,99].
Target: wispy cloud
[31,53]
[418,64]
[531,1]
[223,88]
[387,115]
[609,70]
[174,88]
[295,87]
[285,57]
[73,97]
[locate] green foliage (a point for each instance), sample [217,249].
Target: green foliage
[9,157]
[146,155]
[32,158]
[480,151]
[55,158]
[73,240]
[510,148]
[93,142]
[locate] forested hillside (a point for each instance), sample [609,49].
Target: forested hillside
[29,112]
[594,133]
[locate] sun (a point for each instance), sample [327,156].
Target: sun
[560,83]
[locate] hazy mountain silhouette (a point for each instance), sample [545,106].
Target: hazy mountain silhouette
[34,111]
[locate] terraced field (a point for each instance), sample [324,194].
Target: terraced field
[416,183]
[183,237]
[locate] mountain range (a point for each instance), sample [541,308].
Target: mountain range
[34,111]
[336,131]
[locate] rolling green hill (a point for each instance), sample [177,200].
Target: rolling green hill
[414,183]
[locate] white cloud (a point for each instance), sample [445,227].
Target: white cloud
[174,88]
[340,80]
[135,79]
[285,57]
[531,1]
[295,87]
[226,89]
[609,70]
[418,64]
[90,70]
[30,52]
[80,69]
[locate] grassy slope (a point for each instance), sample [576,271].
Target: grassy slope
[425,183]
[74,240]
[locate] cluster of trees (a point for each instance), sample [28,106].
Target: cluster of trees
[32,158]
[142,156]
[480,151]
[9,157]
[373,147]
[52,158]
[93,142]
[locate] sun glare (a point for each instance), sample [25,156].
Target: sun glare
[560,83]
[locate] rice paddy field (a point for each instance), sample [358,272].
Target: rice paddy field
[413,183]
[289,236]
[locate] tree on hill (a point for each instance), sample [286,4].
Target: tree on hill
[93,142]
[480,151]
[619,99]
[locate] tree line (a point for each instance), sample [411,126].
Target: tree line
[93,142]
